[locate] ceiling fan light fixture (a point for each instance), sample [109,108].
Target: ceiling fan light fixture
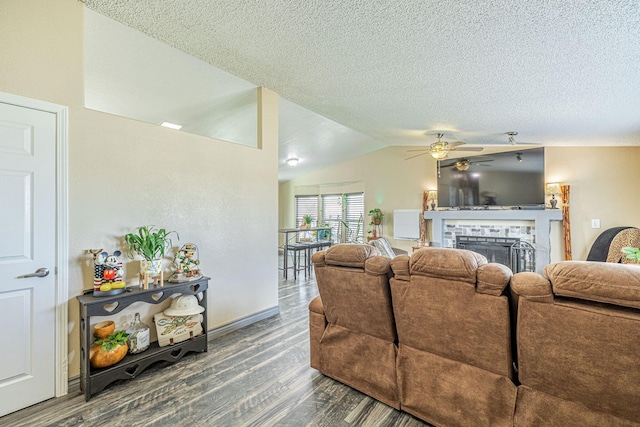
[438,155]
[439,150]
[292,161]
[462,165]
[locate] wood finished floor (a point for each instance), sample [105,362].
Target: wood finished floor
[255,376]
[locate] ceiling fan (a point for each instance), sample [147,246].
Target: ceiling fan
[512,138]
[440,149]
[464,164]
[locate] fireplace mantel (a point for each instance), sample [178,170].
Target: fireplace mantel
[542,219]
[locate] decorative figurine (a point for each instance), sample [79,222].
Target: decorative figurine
[108,274]
[187,264]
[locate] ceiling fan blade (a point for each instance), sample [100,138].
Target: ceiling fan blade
[417,155]
[455,144]
[482,161]
[422,149]
[467,149]
[448,165]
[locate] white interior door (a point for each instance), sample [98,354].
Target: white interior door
[27,245]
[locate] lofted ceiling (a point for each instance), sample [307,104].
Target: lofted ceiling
[360,75]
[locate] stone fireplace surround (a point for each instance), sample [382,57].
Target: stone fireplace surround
[540,230]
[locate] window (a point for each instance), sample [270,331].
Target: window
[353,212]
[344,213]
[306,205]
[332,214]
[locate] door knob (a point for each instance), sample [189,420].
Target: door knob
[41,272]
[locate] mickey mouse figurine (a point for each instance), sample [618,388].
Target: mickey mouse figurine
[107,271]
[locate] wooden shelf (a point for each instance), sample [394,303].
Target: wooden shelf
[94,380]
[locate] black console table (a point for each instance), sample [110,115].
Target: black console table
[94,380]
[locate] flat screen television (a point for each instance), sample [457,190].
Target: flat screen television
[513,179]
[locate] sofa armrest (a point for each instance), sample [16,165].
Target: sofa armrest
[318,258]
[377,265]
[315,306]
[317,326]
[531,286]
[493,278]
[400,267]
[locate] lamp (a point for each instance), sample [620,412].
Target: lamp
[552,190]
[433,195]
[292,161]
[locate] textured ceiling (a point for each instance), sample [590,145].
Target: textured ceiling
[559,72]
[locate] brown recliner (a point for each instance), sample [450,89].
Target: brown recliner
[454,337]
[352,330]
[578,341]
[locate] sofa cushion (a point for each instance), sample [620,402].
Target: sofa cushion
[349,254]
[445,263]
[602,282]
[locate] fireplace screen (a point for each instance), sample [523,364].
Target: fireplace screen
[510,251]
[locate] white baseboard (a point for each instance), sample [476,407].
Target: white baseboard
[243,322]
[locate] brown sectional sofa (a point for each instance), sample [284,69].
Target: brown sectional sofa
[353,333]
[454,338]
[578,338]
[434,335]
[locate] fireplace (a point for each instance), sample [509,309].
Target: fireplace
[539,229]
[510,251]
[495,249]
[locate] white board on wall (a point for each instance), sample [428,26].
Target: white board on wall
[406,224]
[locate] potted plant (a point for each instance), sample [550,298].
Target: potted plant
[376,219]
[306,221]
[109,350]
[376,216]
[150,244]
[323,234]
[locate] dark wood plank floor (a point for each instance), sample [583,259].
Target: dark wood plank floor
[255,376]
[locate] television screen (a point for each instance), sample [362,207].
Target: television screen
[508,179]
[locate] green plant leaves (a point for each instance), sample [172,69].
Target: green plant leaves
[148,243]
[632,253]
[112,341]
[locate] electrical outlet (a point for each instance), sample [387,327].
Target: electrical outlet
[595,223]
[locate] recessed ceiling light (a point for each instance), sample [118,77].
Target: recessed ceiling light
[171,125]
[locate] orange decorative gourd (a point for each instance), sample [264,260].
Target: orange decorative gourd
[99,357]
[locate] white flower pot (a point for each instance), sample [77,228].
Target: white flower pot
[154,268]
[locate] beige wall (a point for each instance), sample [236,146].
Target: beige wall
[124,173]
[603,184]
[602,181]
